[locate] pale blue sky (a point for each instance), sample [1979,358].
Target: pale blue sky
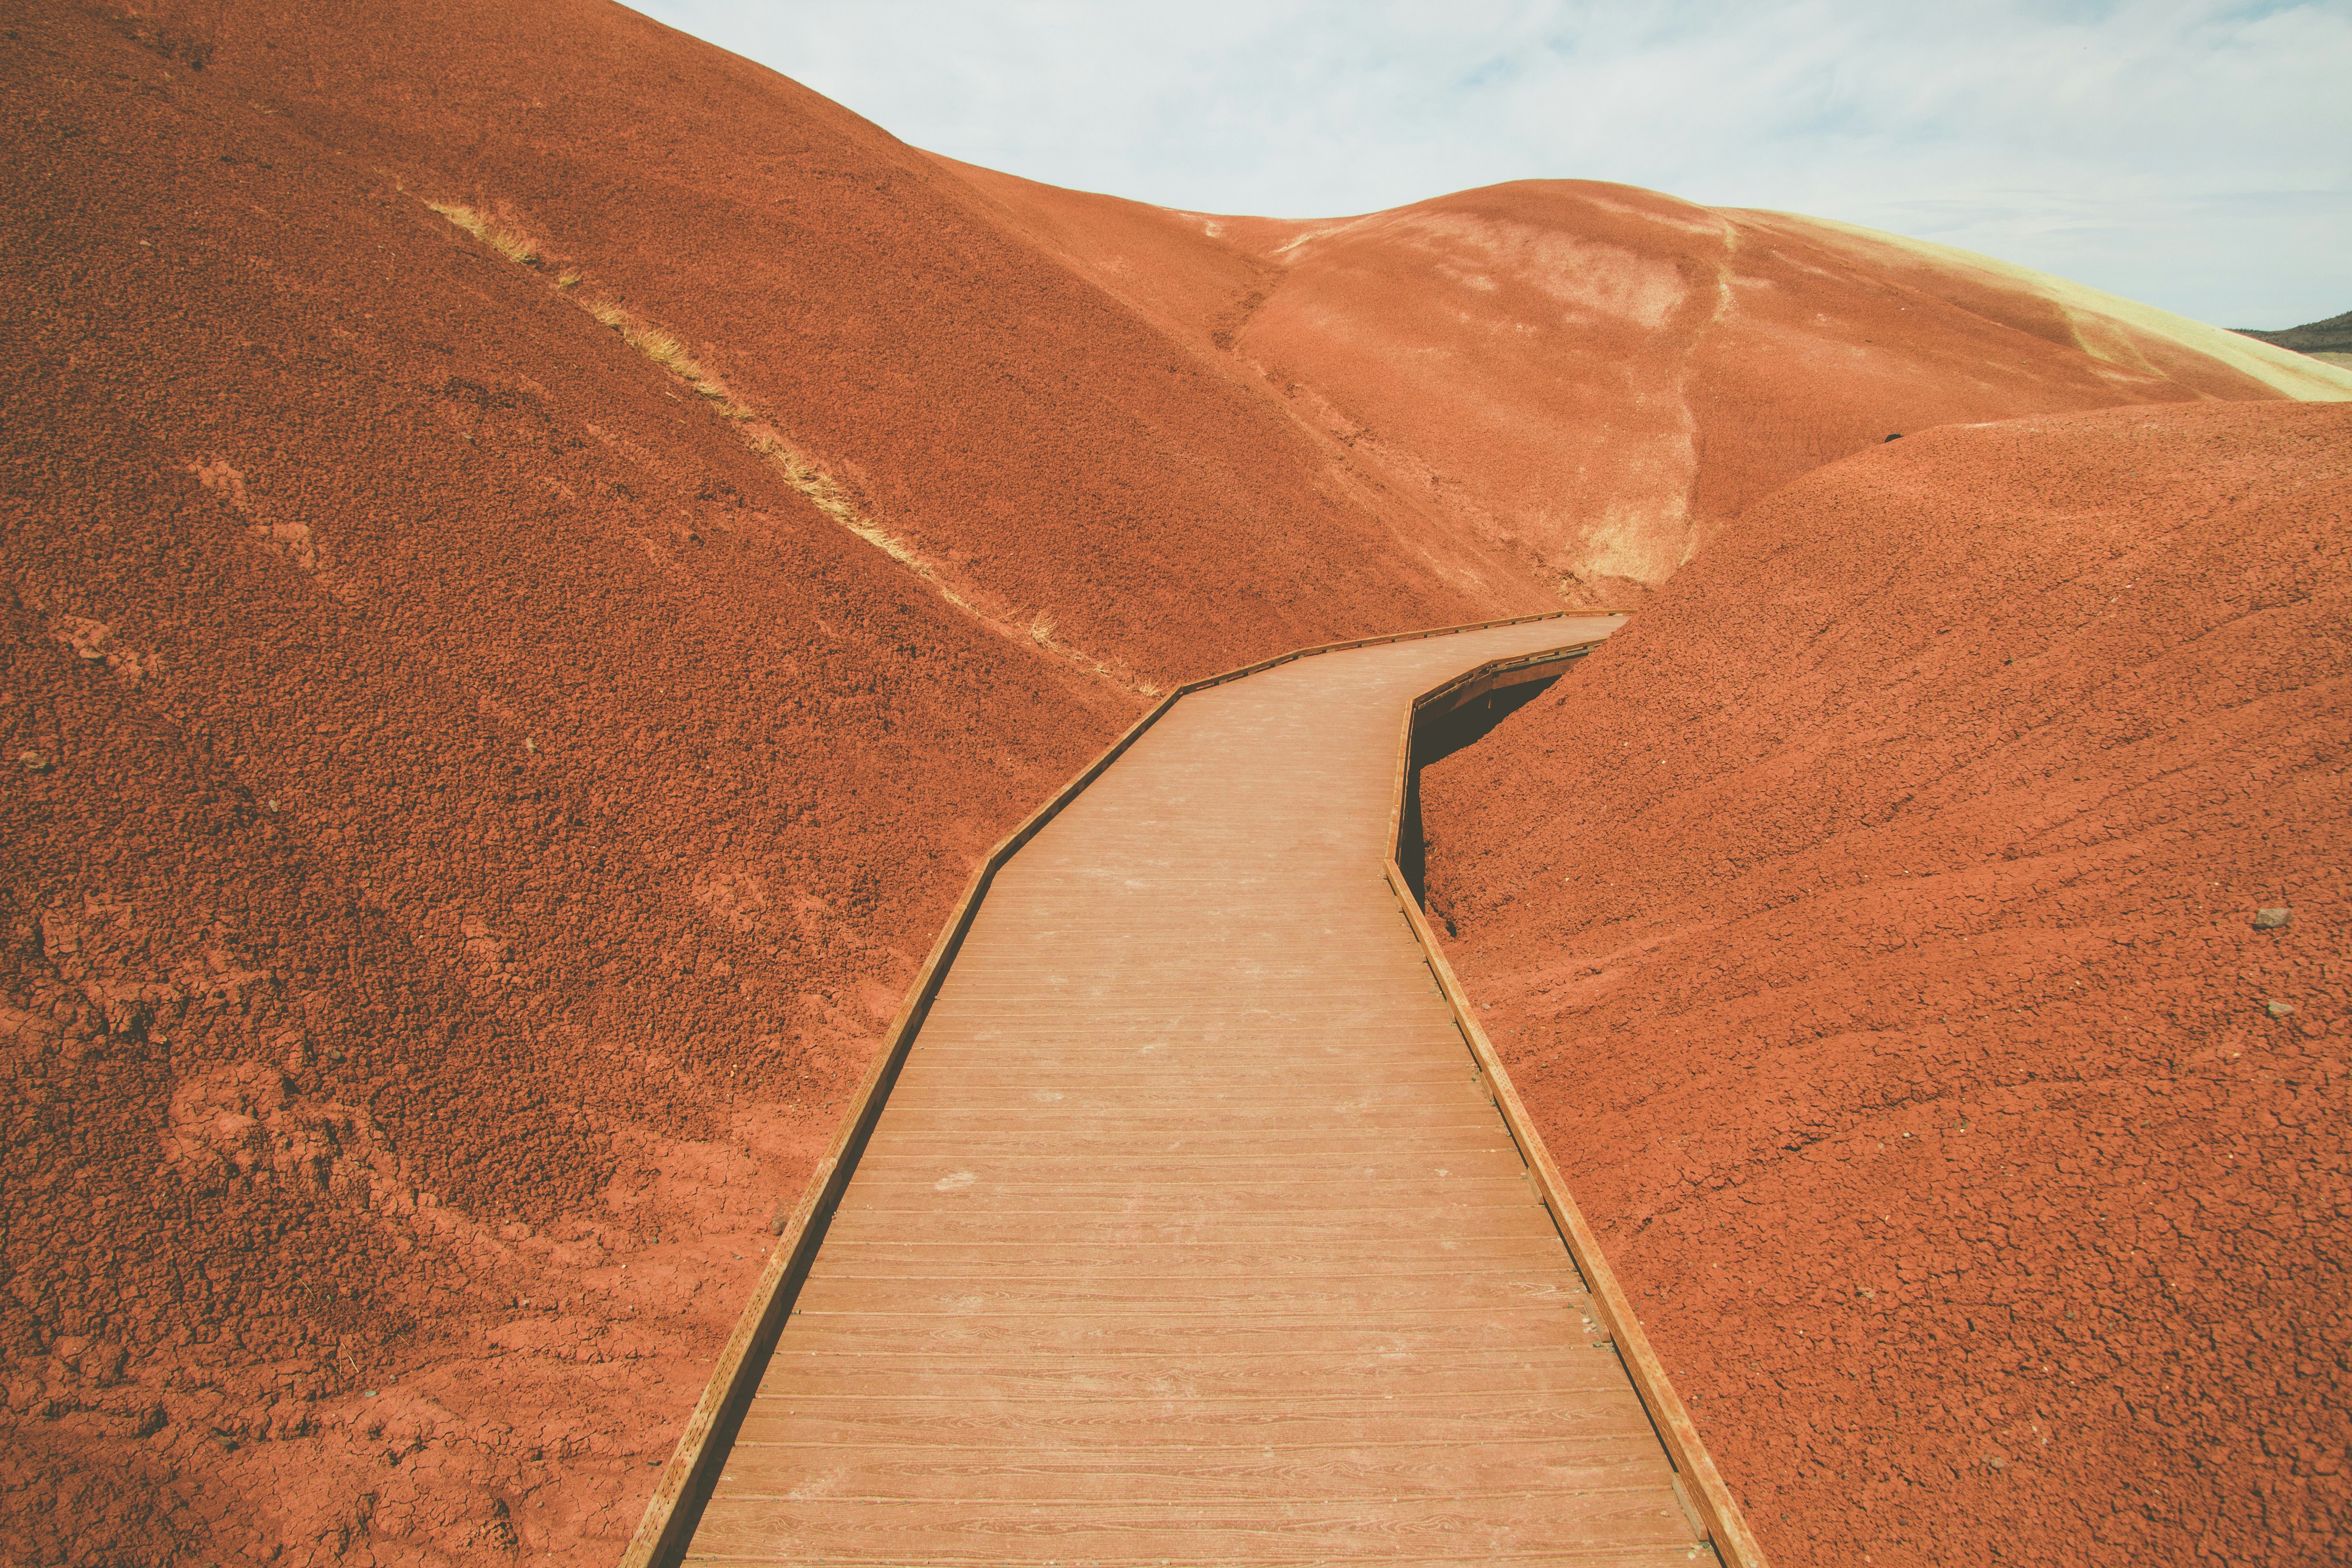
[2192,154]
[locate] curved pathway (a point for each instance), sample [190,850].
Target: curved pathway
[1188,1232]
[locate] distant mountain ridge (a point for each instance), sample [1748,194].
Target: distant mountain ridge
[2332,336]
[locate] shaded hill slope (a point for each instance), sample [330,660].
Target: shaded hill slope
[1600,376]
[1872,924]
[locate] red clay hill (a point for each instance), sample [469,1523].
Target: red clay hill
[1875,926]
[1596,378]
[537,554]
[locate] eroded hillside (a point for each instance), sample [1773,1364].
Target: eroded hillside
[466,812]
[1873,927]
[1597,378]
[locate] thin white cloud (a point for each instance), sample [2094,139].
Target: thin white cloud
[2191,153]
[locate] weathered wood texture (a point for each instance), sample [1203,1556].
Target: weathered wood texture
[1190,1229]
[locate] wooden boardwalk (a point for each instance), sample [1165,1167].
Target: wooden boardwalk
[1190,1231]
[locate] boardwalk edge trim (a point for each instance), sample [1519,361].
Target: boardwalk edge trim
[1697,1482]
[1718,1512]
[674,1510]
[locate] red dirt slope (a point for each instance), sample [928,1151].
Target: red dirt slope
[1872,926]
[1599,377]
[1049,453]
[465,816]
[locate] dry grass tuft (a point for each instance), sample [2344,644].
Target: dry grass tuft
[665,352]
[668,352]
[664,349]
[505,241]
[829,499]
[1041,632]
[464,217]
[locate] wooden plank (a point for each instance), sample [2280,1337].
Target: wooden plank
[1613,1557]
[1290,1311]
[1195,1425]
[1402,1301]
[1037,1114]
[1266,1195]
[1313,1528]
[1196,1379]
[1453,1229]
[1429,1326]
[1255,1041]
[1630,1557]
[1427,1085]
[1488,1155]
[1150,1260]
[1059,978]
[1179,1073]
[1211,1145]
[1430,1469]
[1470,1241]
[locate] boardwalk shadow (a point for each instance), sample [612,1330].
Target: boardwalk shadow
[1438,736]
